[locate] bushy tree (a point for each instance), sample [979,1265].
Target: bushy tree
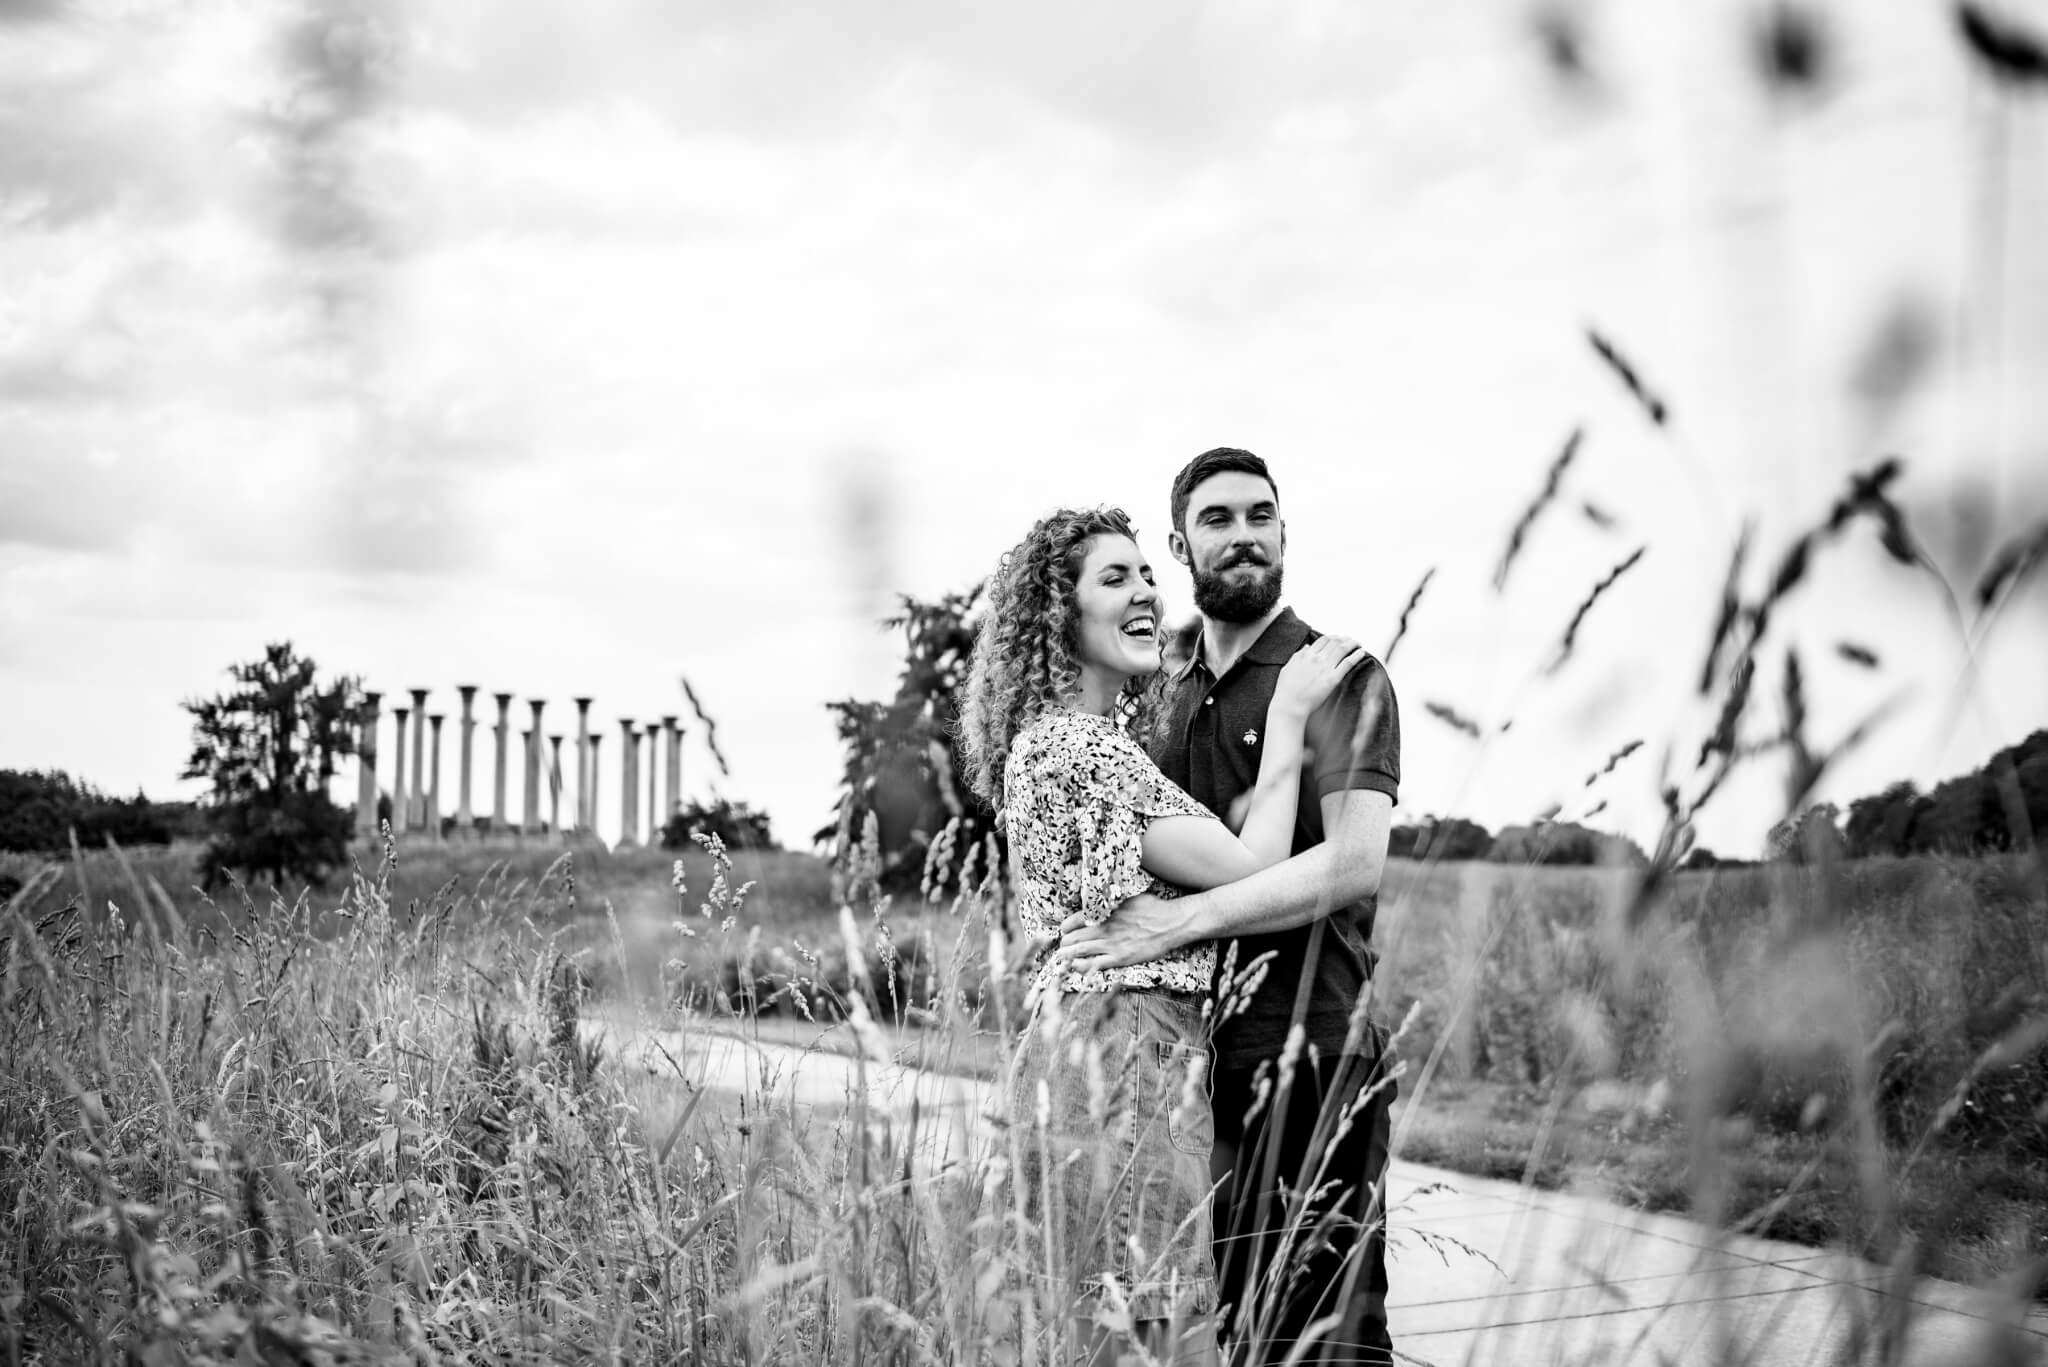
[1809,836]
[1883,822]
[269,749]
[902,767]
[738,825]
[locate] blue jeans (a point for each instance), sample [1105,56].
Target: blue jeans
[1110,1111]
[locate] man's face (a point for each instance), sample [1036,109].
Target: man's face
[1232,541]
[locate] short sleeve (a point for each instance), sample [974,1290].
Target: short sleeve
[1356,735]
[1119,793]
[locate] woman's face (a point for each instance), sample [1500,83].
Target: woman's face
[1118,631]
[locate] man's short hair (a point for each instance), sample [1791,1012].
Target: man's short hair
[1214,462]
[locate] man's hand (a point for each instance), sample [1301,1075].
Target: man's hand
[1139,930]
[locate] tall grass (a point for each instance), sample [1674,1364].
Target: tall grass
[1846,1055]
[379,1132]
[376,1129]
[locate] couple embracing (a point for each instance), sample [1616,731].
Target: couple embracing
[1199,1099]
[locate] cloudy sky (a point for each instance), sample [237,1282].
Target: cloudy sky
[570,349]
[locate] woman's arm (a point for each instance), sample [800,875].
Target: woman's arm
[1199,853]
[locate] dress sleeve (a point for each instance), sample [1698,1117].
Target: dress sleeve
[1119,791]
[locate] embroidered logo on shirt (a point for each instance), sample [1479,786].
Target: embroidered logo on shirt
[1251,737]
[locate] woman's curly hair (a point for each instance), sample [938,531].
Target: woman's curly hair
[1024,653]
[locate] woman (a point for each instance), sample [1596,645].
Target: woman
[1111,1128]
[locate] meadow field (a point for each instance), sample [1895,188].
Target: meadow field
[389,1120]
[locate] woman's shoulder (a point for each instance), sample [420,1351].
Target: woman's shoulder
[1077,738]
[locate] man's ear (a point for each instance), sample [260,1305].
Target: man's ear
[1177,546]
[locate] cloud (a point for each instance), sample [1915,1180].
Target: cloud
[1162,86]
[31,517]
[26,12]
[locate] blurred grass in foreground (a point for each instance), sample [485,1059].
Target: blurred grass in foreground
[381,1119]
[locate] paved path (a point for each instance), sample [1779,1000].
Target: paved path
[1492,1272]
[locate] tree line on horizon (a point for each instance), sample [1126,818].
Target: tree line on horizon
[2001,805]
[42,810]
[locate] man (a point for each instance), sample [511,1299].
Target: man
[1284,1126]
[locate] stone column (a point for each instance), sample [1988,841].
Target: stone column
[400,802]
[654,816]
[366,769]
[502,733]
[418,815]
[629,789]
[586,796]
[465,816]
[433,796]
[595,738]
[555,784]
[530,817]
[526,822]
[673,732]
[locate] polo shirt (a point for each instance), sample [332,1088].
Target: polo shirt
[1208,738]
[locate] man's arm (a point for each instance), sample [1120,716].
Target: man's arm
[1344,868]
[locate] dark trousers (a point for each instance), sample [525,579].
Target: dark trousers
[1284,1262]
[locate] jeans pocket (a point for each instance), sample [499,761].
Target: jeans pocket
[1184,1089]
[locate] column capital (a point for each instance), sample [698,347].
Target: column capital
[504,699]
[372,697]
[467,691]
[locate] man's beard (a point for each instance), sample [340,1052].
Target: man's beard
[1240,601]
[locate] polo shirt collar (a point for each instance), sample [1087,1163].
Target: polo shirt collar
[1283,636]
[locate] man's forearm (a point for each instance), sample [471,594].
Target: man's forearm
[1289,894]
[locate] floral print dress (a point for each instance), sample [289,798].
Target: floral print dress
[1078,795]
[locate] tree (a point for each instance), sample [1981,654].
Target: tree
[269,749]
[1808,836]
[1960,816]
[901,764]
[739,826]
[1883,822]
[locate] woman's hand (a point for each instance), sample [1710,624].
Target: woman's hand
[1312,676]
